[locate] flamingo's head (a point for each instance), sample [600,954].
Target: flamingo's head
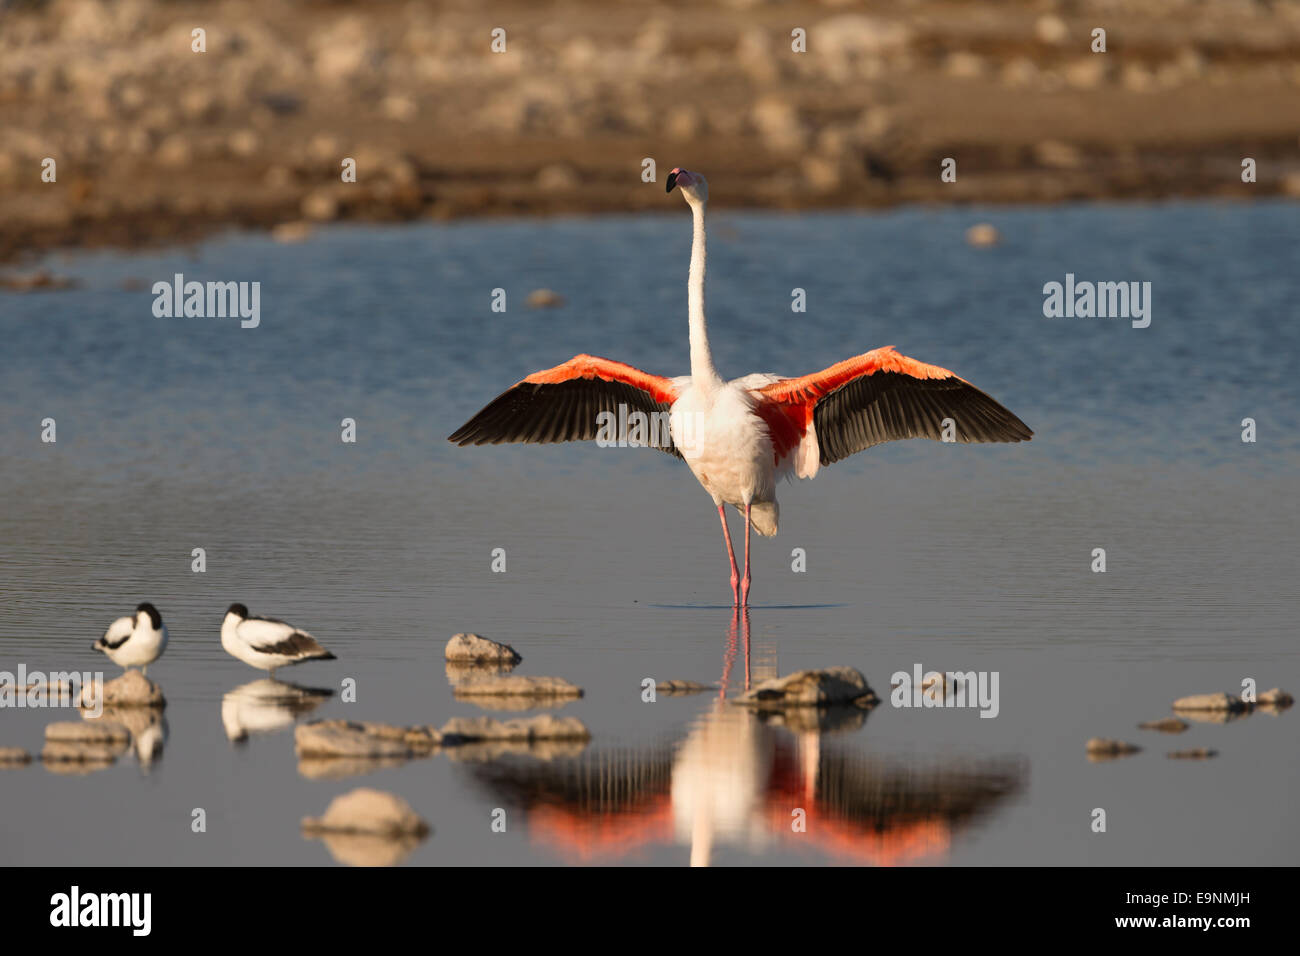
[694,187]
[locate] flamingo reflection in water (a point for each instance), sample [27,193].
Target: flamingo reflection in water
[775,781]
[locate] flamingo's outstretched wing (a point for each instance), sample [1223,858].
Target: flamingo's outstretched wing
[565,403]
[876,397]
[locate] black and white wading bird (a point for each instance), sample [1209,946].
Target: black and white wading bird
[135,641]
[267,643]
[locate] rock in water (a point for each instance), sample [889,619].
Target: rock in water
[1101,748]
[345,738]
[545,299]
[1166,725]
[132,689]
[1219,701]
[367,811]
[834,686]
[472,647]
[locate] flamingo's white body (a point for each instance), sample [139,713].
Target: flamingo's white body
[738,437]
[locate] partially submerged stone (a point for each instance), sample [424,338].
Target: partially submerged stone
[132,689]
[462,730]
[1166,725]
[834,686]
[345,738]
[1102,748]
[14,757]
[1276,698]
[474,648]
[88,732]
[1199,753]
[510,686]
[365,810]
[1213,702]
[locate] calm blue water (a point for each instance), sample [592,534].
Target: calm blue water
[178,433]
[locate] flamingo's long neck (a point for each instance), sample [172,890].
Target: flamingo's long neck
[703,372]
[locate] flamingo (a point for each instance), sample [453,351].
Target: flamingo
[738,437]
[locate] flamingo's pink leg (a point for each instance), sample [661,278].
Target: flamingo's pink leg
[731,555]
[744,584]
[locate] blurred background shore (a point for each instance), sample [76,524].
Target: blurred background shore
[157,143]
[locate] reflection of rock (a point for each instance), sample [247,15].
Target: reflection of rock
[74,746]
[471,648]
[345,738]
[365,810]
[823,720]
[88,732]
[460,672]
[340,768]
[265,706]
[63,757]
[461,730]
[511,686]
[369,849]
[833,686]
[14,757]
[1166,725]
[680,688]
[1200,753]
[1100,748]
[490,751]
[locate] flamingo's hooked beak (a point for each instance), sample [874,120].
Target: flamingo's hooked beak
[680,177]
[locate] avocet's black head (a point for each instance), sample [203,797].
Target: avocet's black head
[155,618]
[238,610]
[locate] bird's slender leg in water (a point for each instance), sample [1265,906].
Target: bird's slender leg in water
[271,672]
[744,584]
[731,555]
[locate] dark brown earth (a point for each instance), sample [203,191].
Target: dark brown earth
[156,143]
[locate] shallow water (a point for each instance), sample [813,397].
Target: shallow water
[175,434]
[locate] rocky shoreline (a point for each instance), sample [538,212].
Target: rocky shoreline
[154,142]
